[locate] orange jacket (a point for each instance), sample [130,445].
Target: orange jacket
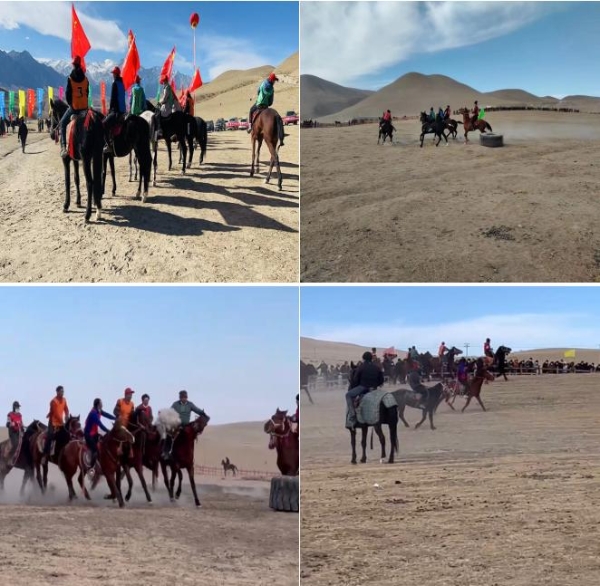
[58,410]
[123,411]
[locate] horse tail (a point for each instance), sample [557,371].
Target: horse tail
[203,140]
[280,130]
[488,126]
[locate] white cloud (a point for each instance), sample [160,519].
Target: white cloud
[226,53]
[519,331]
[342,41]
[54,19]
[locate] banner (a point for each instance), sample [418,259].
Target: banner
[30,103]
[131,65]
[11,102]
[89,96]
[2,114]
[167,68]
[50,95]
[570,354]
[61,93]
[40,101]
[22,103]
[196,82]
[103,96]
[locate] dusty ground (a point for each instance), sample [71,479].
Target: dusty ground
[504,498]
[215,224]
[234,539]
[523,213]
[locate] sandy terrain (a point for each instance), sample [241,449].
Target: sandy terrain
[522,213]
[504,498]
[234,539]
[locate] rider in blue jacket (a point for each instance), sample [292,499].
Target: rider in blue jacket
[118,109]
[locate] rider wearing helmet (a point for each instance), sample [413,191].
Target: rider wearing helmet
[265,97]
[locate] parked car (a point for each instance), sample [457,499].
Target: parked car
[290,118]
[232,124]
[210,126]
[220,125]
[244,124]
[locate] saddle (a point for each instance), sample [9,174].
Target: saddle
[257,113]
[79,123]
[41,441]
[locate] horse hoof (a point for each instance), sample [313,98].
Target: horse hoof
[172,499]
[145,198]
[280,188]
[353,462]
[198,505]
[65,210]
[98,216]
[363,460]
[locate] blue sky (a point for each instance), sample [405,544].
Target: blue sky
[546,48]
[230,34]
[523,318]
[234,349]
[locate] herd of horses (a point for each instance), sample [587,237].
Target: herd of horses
[137,137]
[440,127]
[136,445]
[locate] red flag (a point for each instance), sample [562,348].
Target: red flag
[173,87]
[79,42]
[103,96]
[182,98]
[130,37]
[131,65]
[167,68]
[196,82]
[30,103]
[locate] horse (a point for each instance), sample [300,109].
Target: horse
[70,430]
[452,126]
[436,127]
[469,126]
[201,135]
[145,450]
[386,129]
[182,456]
[175,125]
[500,361]
[23,131]
[474,386]
[406,397]
[268,126]
[227,465]
[22,459]
[287,443]
[306,371]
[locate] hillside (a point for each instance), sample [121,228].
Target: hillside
[22,71]
[320,97]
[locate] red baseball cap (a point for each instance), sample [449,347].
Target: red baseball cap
[273,77]
[116,70]
[129,391]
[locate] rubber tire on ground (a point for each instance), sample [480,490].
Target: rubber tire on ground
[491,140]
[285,494]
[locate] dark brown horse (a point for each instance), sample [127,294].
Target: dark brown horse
[469,126]
[405,397]
[285,442]
[267,126]
[474,387]
[145,451]
[182,457]
[69,431]
[22,459]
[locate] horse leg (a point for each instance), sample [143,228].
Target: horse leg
[112,484]
[401,415]
[422,420]
[81,480]
[481,403]
[280,176]
[363,444]
[180,478]
[76,173]
[431,418]
[466,404]
[259,141]
[155,162]
[129,482]
[87,171]
[253,156]
[130,165]
[422,139]
[183,144]
[393,424]
[139,468]
[67,185]
[381,437]
[168,143]
[353,445]
[111,161]
[174,471]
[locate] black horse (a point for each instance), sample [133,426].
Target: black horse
[386,130]
[500,361]
[436,127]
[173,126]
[201,137]
[406,397]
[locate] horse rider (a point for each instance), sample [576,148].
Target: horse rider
[137,102]
[14,422]
[431,115]
[462,373]
[414,381]
[265,97]
[414,354]
[168,101]
[387,116]
[442,350]
[440,114]
[117,109]
[475,114]
[376,360]
[447,112]
[189,104]
[92,424]
[124,407]
[144,407]
[365,378]
[57,417]
[184,409]
[78,89]
[487,348]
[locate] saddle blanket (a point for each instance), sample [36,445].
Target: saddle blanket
[367,412]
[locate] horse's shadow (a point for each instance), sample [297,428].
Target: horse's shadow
[149,219]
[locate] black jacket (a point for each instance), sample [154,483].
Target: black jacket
[367,375]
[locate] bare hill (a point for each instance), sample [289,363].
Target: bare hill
[319,97]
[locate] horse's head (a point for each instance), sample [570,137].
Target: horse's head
[57,110]
[73,426]
[277,426]
[200,423]
[121,433]
[34,427]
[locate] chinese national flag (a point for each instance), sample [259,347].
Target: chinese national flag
[79,42]
[196,82]
[167,68]
[130,37]
[131,65]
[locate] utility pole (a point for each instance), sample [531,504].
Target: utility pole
[466,345]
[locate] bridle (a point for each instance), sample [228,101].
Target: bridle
[279,424]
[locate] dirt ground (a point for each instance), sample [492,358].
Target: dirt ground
[397,213]
[504,498]
[215,224]
[233,539]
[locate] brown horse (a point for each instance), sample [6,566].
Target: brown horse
[72,458]
[70,430]
[267,126]
[182,456]
[469,126]
[22,459]
[285,442]
[474,387]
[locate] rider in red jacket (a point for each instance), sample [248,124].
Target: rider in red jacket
[14,422]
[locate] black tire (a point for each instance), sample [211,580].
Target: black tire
[285,494]
[491,140]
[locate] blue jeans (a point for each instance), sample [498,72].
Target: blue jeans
[64,122]
[351,395]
